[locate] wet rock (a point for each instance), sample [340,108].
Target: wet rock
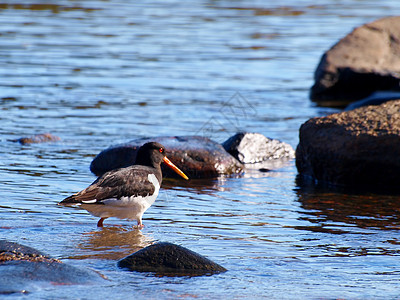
[38,138]
[360,147]
[170,260]
[196,156]
[376,98]
[364,61]
[11,251]
[254,148]
[23,268]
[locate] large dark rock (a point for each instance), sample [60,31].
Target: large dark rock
[360,147]
[23,268]
[252,148]
[170,260]
[196,156]
[364,61]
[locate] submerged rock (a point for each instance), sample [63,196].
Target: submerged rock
[360,147]
[376,98]
[10,251]
[23,268]
[254,148]
[38,138]
[364,61]
[170,260]
[196,156]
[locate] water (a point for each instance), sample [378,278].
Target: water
[96,73]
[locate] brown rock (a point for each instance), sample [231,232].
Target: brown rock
[38,138]
[364,61]
[196,156]
[360,147]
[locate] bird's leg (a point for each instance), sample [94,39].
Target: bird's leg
[140,224]
[100,222]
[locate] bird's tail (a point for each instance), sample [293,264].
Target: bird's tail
[69,200]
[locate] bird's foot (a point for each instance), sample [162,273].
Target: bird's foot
[139,226]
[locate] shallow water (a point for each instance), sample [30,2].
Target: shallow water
[97,73]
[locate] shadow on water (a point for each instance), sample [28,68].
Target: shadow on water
[359,208]
[112,243]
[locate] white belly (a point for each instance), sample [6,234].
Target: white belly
[131,208]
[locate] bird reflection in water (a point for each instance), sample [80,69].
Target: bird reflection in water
[112,242]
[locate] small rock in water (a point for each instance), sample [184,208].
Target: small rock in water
[170,260]
[38,138]
[254,147]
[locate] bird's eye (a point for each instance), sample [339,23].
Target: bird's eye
[161,150]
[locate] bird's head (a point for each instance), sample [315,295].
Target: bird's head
[153,154]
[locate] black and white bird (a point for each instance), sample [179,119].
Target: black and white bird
[126,193]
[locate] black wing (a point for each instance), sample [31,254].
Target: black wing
[131,181]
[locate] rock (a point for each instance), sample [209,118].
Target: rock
[254,148]
[364,61]
[360,147]
[196,156]
[170,260]
[376,98]
[38,138]
[6,247]
[23,268]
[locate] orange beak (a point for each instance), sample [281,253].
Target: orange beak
[175,168]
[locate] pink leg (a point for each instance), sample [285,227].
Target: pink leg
[140,224]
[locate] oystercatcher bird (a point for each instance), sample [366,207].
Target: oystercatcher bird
[126,193]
